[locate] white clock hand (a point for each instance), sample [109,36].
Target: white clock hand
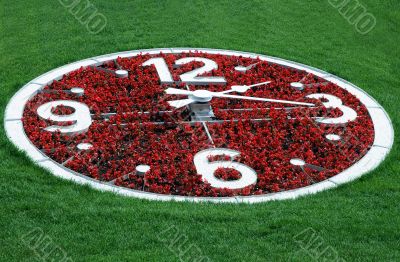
[206,96]
[243,69]
[181,102]
[262,99]
[237,88]
[176,91]
[243,88]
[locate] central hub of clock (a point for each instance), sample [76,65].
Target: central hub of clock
[201,109]
[201,96]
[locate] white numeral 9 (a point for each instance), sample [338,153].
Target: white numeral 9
[207,169]
[81,117]
[334,102]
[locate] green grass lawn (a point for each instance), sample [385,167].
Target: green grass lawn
[360,220]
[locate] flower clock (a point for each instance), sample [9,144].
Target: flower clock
[200,125]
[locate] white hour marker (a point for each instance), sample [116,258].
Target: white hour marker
[121,73]
[78,91]
[297,85]
[81,147]
[244,69]
[141,170]
[333,137]
[84,146]
[301,163]
[297,162]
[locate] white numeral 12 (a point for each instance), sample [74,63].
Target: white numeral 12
[191,78]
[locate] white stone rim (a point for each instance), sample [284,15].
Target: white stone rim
[384,132]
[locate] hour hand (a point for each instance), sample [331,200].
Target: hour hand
[180,103]
[176,91]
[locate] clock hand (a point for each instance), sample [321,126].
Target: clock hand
[262,99]
[243,88]
[206,96]
[176,91]
[181,103]
[237,88]
[243,69]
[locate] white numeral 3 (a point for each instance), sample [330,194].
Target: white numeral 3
[334,102]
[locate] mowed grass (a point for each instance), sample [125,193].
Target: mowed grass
[360,220]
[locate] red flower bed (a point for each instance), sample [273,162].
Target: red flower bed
[144,129]
[227,174]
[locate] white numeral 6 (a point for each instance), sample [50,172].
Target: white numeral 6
[207,169]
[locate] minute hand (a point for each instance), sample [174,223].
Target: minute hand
[261,99]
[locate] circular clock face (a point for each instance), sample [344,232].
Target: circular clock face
[199,125]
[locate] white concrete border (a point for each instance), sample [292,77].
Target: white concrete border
[384,133]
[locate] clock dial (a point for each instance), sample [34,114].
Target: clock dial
[199,124]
